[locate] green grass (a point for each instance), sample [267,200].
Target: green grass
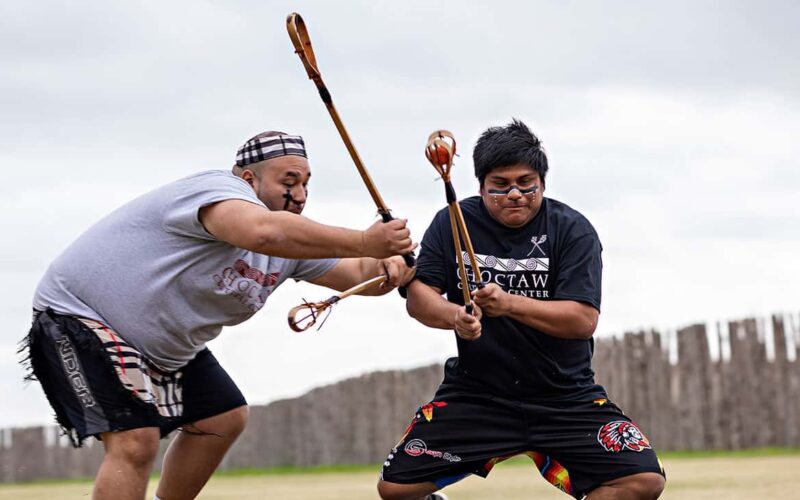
[748,453]
[516,461]
[289,469]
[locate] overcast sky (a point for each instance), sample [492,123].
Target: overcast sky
[672,126]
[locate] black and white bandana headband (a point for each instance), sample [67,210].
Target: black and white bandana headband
[265,148]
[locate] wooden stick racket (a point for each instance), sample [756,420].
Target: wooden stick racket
[302,47]
[440,151]
[304,316]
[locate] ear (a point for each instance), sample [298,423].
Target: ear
[249,177]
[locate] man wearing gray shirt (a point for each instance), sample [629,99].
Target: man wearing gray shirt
[123,315]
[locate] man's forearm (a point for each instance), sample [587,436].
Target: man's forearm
[432,310]
[560,318]
[371,268]
[294,236]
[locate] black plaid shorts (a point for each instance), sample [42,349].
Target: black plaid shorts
[96,382]
[576,445]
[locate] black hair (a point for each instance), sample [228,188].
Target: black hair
[513,144]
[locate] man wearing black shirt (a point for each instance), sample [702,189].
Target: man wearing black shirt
[522,382]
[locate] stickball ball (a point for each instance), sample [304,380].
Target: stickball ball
[439,154]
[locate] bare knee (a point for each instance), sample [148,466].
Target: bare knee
[643,486]
[648,485]
[136,447]
[652,485]
[236,420]
[228,425]
[396,491]
[387,491]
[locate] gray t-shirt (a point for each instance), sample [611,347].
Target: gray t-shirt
[151,271]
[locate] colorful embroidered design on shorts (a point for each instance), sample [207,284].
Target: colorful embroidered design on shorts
[621,435]
[552,471]
[427,410]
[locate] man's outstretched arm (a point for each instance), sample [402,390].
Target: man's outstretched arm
[284,234]
[348,273]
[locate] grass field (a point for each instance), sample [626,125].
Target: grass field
[762,475]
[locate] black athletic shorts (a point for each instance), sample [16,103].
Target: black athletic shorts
[82,384]
[577,446]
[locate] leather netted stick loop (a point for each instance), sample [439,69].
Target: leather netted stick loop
[313,310]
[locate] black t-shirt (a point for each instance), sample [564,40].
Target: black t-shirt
[555,256]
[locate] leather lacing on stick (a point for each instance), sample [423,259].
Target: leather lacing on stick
[305,315]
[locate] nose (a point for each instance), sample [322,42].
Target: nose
[299,194]
[514,193]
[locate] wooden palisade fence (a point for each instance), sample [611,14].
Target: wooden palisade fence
[704,387]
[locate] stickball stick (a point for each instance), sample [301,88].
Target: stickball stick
[440,151]
[313,310]
[302,45]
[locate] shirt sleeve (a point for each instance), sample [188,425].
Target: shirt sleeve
[431,264]
[182,214]
[580,271]
[309,269]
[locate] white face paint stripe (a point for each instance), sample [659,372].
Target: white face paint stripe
[506,192]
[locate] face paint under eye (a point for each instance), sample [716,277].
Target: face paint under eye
[531,190]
